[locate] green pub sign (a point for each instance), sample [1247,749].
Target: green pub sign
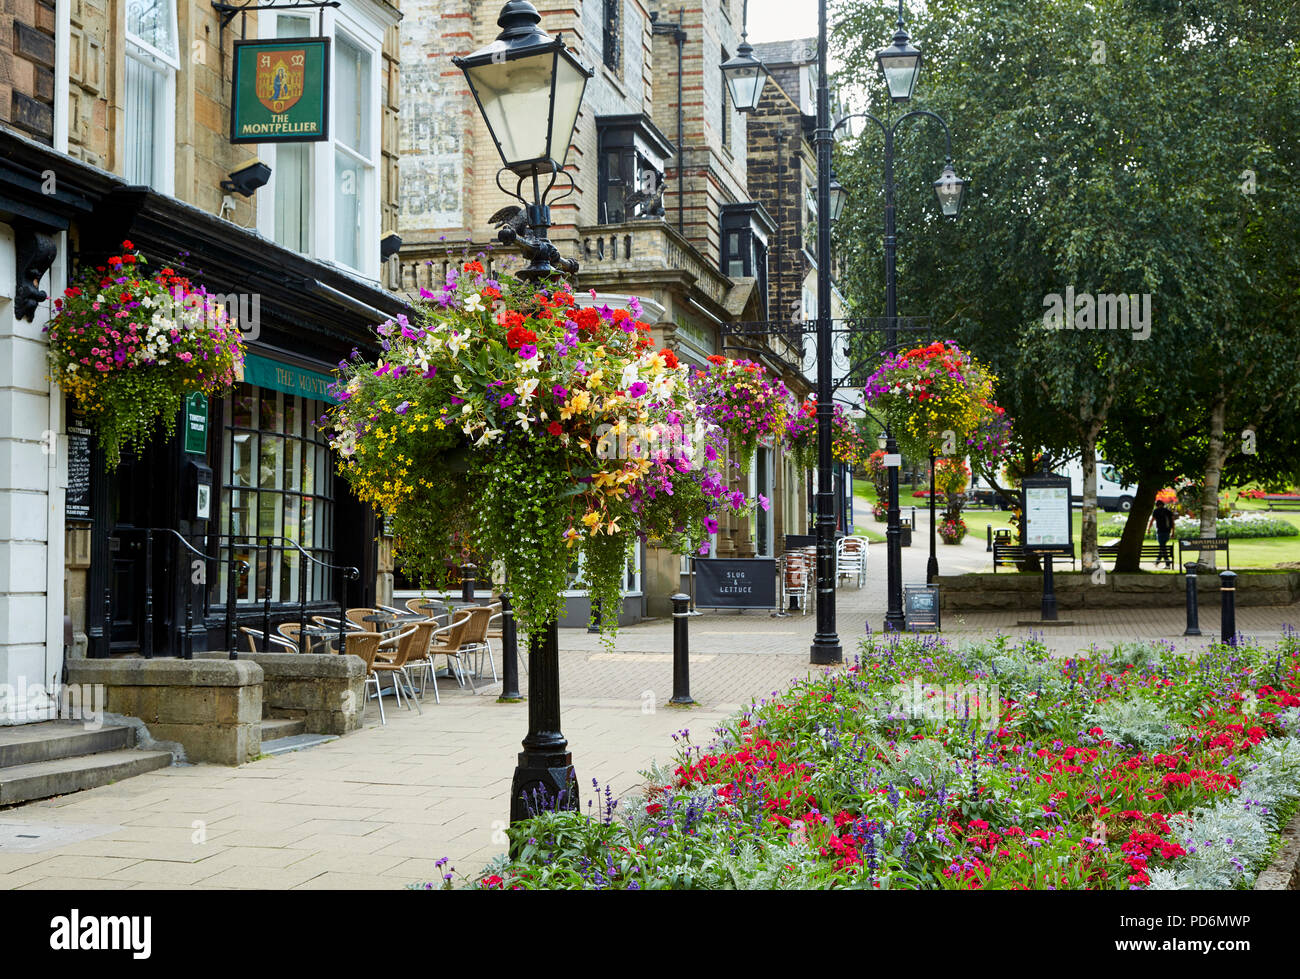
[196,424]
[280,91]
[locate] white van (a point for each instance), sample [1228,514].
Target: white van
[1112,495]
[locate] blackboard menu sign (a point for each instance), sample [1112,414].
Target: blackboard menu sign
[795,541]
[76,504]
[921,608]
[735,582]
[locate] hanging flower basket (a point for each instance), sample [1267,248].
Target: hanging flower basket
[801,437]
[128,347]
[939,399]
[744,401]
[537,428]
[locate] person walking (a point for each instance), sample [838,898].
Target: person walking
[1163,518]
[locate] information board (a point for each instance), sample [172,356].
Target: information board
[735,583]
[76,503]
[196,423]
[921,608]
[1047,514]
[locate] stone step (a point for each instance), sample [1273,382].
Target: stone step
[295,742]
[28,744]
[274,728]
[42,780]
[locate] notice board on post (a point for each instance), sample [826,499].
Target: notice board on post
[735,583]
[921,608]
[1047,514]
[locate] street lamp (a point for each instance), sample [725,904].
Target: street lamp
[839,197]
[899,64]
[744,73]
[529,89]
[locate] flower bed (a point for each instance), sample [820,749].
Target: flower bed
[1239,526]
[990,766]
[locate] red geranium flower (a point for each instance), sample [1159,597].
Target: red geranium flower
[670,358]
[518,336]
[555,428]
[126,245]
[716,359]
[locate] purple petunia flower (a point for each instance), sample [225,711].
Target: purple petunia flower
[403,408]
[506,400]
[637,390]
[527,352]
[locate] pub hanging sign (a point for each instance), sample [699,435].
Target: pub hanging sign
[280,91]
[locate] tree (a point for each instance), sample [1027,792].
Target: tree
[1105,144]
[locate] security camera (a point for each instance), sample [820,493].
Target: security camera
[247,178]
[389,245]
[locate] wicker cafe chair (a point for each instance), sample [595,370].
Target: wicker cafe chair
[365,646]
[447,641]
[355,617]
[474,639]
[289,631]
[396,665]
[273,643]
[418,639]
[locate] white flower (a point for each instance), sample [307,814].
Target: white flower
[524,420]
[455,344]
[487,436]
[474,304]
[526,387]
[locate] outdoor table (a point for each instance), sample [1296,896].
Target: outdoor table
[319,632]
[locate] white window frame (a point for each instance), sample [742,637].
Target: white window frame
[165,118]
[369,37]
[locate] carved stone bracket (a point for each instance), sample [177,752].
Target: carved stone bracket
[35,251]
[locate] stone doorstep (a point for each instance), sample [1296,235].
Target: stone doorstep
[45,779]
[1283,874]
[49,740]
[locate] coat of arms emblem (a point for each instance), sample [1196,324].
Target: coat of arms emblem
[280,76]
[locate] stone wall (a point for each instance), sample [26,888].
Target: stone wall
[27,67]
[327,692]
[212,707]
[995,592]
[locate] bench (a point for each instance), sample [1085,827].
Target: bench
[1283,502]
[1009,554]
[1150,552]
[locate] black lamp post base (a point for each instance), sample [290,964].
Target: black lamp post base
[543,780]
[826,653]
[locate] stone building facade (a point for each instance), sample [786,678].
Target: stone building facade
[659,162]
[115,124]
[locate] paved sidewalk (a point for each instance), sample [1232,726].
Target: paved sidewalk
[377,808]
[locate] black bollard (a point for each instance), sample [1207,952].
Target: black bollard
[468,576]
[594,625]
[681,651]
[988,545]
[1049,590]
[1193,615]
[1228,607]
[509,654]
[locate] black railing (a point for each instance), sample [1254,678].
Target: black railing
[235,567]
[346,573]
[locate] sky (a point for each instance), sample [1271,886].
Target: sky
[781,20]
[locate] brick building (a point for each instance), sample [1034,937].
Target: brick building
[662,206]
[115,123]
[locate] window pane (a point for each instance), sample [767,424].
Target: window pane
[352,96]
[349,183]
[293,196]
[151,22]
[241,459]
[144,102]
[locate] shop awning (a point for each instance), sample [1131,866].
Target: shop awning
[263,372]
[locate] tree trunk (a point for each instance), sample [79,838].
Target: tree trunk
[1089,559]
[1214,459]
[1129,556]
